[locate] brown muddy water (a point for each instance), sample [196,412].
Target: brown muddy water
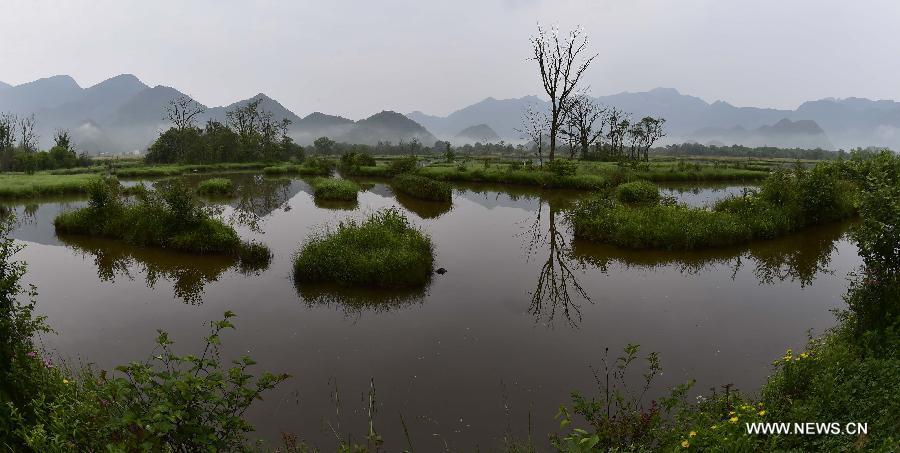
[500,339]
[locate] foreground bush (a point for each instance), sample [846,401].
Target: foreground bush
[638,192]
[335,189]
[216,186]
[382,251]
[787,202]
[422,188]
[168,217]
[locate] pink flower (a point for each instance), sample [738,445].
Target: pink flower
[31,354]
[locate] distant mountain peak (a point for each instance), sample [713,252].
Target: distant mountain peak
[478,133]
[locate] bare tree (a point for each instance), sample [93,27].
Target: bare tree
[585,122]
[28,138]
[182,112]
[62,139]
[535,125]
[8,131]
[561,62]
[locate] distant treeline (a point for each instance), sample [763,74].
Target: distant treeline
[696,149]
[18,147]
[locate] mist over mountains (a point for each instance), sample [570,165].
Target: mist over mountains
[122,114]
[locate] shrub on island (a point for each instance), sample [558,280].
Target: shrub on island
[168,216]
[383,251]
[422,188]
[216,187]
[638,192]
[334,189]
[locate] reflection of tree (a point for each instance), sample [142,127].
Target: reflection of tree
[799,257]
[189,274]
[258,196]
[556,282]
[354,301]
[342,205]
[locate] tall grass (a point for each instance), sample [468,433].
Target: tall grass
[637,192]
[788,201]
[39,184]
[422,188]
[382,251]
[334,189]
[216,187]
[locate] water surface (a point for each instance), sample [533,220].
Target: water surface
[510,330]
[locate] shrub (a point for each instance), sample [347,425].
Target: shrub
[254,256]
[168,217]
[382,251]
[422,188]
[402,165]
[639,192]
[561,167]
[216,186]
[335,189]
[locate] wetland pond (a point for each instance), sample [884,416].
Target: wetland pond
[514,326]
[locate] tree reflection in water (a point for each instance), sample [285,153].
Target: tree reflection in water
[556,282]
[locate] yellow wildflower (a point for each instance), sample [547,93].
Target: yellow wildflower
[693,434]
[733,419]
[685,443]
[715,426]
[761,413]
[65,381]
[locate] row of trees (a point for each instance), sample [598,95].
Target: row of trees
[575,119]
[249,134]
[19,147]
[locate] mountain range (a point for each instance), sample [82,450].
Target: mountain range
[122,114]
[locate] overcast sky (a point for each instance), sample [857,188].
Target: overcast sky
[357,57]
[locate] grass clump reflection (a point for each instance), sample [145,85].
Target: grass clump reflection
[383,251]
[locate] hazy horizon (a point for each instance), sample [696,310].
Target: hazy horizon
[342,58]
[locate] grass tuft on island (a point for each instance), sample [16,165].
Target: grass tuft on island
[787,201]
[637,192]
[216,187]
[167,217]
[334,189]
[384,251]
[422,188]
[35,185]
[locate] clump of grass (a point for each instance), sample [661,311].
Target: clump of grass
[638,192]
[167,217]
[788,201]
[335,189]
[254,256]
[313,166]
[383,251]
[422,188]
[216,186]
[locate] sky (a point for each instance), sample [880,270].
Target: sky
[358,57]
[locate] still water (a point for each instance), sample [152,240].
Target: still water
[514,326]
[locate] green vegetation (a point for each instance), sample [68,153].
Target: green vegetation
[19,147]
[382,251]
[249,135]
[334,189]
[168,217]
[787,201]
[422,188]
[637,192]
[696,149]
[849,375]
[34,185]
[216,186]
[312,166]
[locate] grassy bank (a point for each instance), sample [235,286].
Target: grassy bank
[422,188]
[786,202]
[169,217]
[40,184]
[334,189]
[216,187]
[383,251]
